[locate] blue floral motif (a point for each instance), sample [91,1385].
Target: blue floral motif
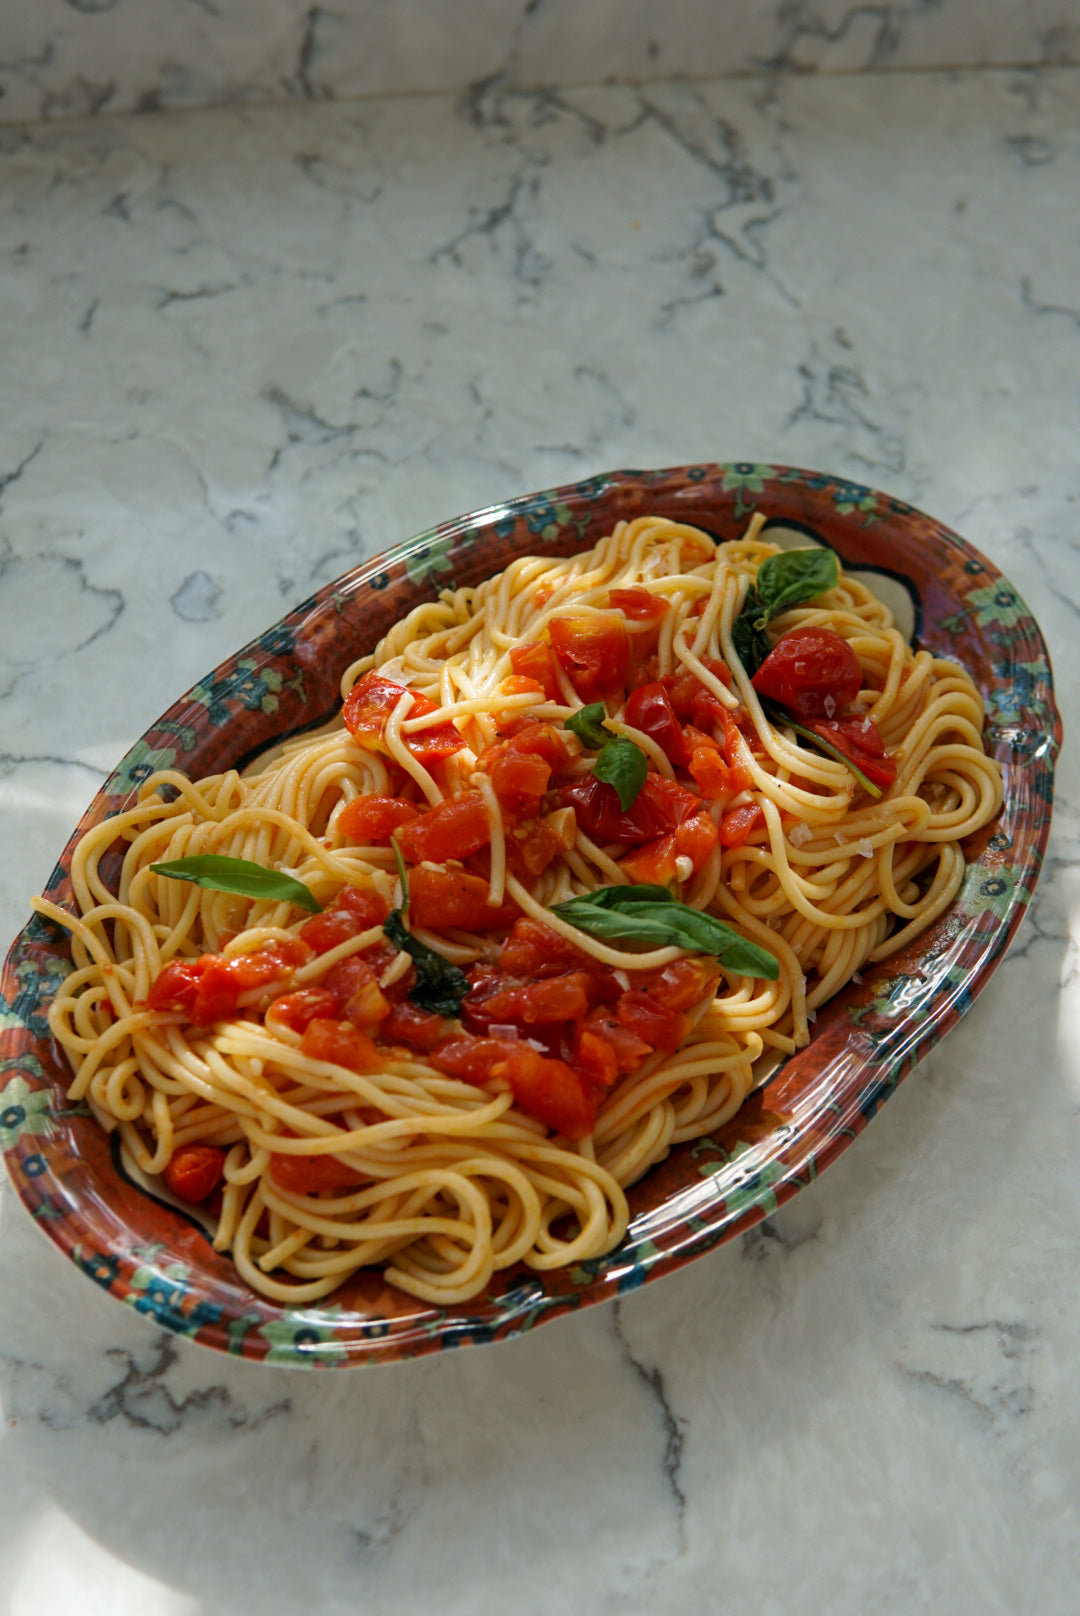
[138,764]
[253,683]
[429,556]
[162,1295]
[297,1337]
[996,606]
[23,1110]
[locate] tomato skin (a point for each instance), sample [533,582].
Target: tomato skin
[353,984]
[520,780]
[652,1022]
[860,740]
[297,1009]
[175,986]
[368,706]
[453,829]
[340,1043]
[692,701]
[531,846]
[564,997]
[369,907]
[649,709]
[193,1172]
[595,1059]
[439,898]
[367,820]
[682,984]
[312,1175]
[534,660]
[660,805]
[355,909]
[639,605]
[811,672]
[738,824]
[628,1049]
[533,949]
[409,1024]
[593,650]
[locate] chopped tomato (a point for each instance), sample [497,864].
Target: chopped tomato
[682,984]
[692,701]
[657,862]
[649,709]
[297,1009]
[558,998]
[439,898]
[718,771]
[860,740]
[368,706]
[193,1172]
[312,1175]
[595,1059]
[811,672]
[534,660]
[640,1013]
[409,1024]
[629,1050]
[532,948]
[453,829]
[545,1089]
[520,780]
[659,806]
[593,650]
[340,1043]
[355,909]
[175,986]
[374,819]
[639,605]
[353,983]
[738,824]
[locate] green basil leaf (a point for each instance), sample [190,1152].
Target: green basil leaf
[649,914]
[793,577]
[780,716]
[751,642]
[440,985]
[240,876]
[589,726]
[623,765]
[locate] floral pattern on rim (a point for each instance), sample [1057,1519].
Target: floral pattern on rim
[158,1260]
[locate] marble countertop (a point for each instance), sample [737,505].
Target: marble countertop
[245,349]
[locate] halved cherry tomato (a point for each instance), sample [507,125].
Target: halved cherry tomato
[298,1009]
[649,709]
[545,1088]
[409,1024]
[593,650]
[355,909]
[692,701]
[534,660]
[812,672]
[738,824]
[659,806]
[439,898]
[639,605]
[354,985]
[193,1172]
[657,862]
[453,829]
[368,706]
[175,986]
[340,1043]
[374,819]
[652,1022]
[312,1175]
[860,740]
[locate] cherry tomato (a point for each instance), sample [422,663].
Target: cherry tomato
[649,709]
[692,701]
[409,1024]
[439,898]
[534,660]
[595,1059]
[374,819]
[593,650]
[354,986]
[652,1022]
[453,829]
[639,605]
[860,740]
[657,862]
[193,1172]
[520,780]
[682,984]
[355,909]
[368,706]
[175,986]
[297,1009]
[659,806]
[507,1001]
[812,672]
[738,824]
[629,1049]
[532,948]
[545,1089]
[341,1044]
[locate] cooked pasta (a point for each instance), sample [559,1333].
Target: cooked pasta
[288,1070]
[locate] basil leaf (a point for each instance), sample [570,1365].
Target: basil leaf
[780,716]
[240,876]
[795,576]
[589,726]
[440,985]
[788,579]
[649,914]
[623,765]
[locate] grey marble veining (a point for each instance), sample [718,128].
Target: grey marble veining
[245,349]
[75,58]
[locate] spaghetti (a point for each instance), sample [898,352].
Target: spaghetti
[287,1071]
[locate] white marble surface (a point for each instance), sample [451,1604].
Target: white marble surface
[71,58]
[244,349]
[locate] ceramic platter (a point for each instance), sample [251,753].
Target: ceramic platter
[158,1261]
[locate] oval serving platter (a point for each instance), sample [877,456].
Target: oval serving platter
[157,1259]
